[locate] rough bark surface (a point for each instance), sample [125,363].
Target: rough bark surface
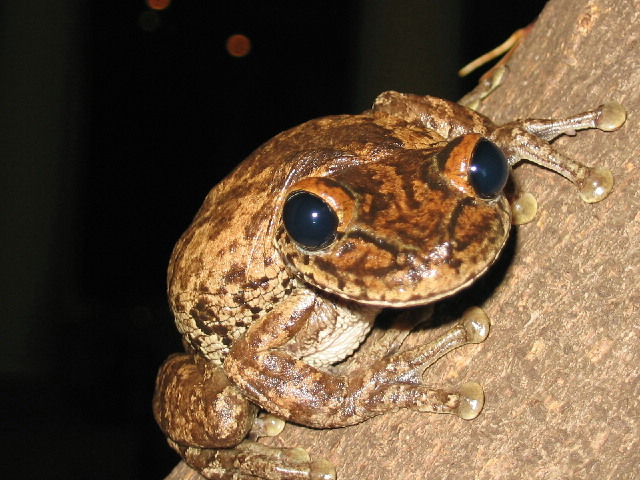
[561,365]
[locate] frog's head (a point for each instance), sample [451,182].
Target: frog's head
[415,224]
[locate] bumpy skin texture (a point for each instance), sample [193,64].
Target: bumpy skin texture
[264,318]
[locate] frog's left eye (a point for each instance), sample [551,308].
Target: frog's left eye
[309,220]
[488,170]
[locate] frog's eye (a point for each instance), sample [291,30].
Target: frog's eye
[488,170]
[309,221]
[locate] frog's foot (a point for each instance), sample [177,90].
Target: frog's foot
[399,379]
[250,461]
[466,402]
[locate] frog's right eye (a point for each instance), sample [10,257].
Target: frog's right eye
[488,170]
[309,220]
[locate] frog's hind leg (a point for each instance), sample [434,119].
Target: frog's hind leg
[492,79]
[250,461]
[214,427]
[195,404]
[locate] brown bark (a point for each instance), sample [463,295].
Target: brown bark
[560,367]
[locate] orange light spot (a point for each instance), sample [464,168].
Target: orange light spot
[238,45]
[158,4]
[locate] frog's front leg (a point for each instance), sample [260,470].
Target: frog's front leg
[528,140]
[262,368]
[206,420]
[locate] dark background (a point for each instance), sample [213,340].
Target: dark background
[115,121]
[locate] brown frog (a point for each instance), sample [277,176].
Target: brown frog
[292,256]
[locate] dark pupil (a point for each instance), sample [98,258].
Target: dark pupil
[489,170]
[310,222]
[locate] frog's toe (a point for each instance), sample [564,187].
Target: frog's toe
[298,455]
[611,117]
[471,400]
[254,460]
[596,185]
[476,325]
[523,209]
[297,463]
[322,469]
[267,425]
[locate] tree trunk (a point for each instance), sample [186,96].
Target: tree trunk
[560,366]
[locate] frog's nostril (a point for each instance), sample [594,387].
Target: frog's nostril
[489,170]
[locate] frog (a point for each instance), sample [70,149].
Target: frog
[291,258]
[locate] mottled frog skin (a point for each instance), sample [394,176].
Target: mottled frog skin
[292,256]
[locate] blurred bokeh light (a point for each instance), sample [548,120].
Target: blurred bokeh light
[158,4]
[238,45]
